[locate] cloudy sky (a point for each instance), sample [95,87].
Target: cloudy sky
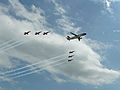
[41,62]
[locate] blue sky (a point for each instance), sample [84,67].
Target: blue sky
[96,61]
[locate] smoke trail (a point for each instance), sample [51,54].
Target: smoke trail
[13,74]
[10,45]
[35,71]
[7,72]
[13,46]
[9,41]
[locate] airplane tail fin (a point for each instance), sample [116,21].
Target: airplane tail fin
[83,34]
[68,37]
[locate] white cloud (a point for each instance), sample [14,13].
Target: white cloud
[105,0]
[86,67]
[115,0]
[107,4]
[116,30]
[59,80]
[64,22]
[4,61]
[60,10]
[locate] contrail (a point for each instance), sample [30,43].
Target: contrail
[12,71]
[9,41]
[35,71]
[10,45]
[14,74]
[13,46]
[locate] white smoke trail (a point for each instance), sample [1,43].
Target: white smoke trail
[10,45]
[21,72]
[36,71]
[16,45]
[12,71]
[9,41]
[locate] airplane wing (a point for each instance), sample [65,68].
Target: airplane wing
[73,34]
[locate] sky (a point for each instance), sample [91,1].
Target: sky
[40,62]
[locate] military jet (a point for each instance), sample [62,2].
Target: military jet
[70,60]
[37,33]
[79,36]
[26,33]
[45,33]
[70,56]
[71,51]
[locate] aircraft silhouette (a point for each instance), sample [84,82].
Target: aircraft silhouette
[70,60]
[45,33]
[71,51]
[26,33]
[70,56]
[79,36]
[37,33]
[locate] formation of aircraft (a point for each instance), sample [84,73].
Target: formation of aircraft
[79,36]
[45,33]
[70,57]
[37,33]
[76,36]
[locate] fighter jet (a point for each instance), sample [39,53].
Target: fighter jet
[70,56]
[26,33]
[79,36]
[71,51]
[37,33]
[70,60]
[45,33]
